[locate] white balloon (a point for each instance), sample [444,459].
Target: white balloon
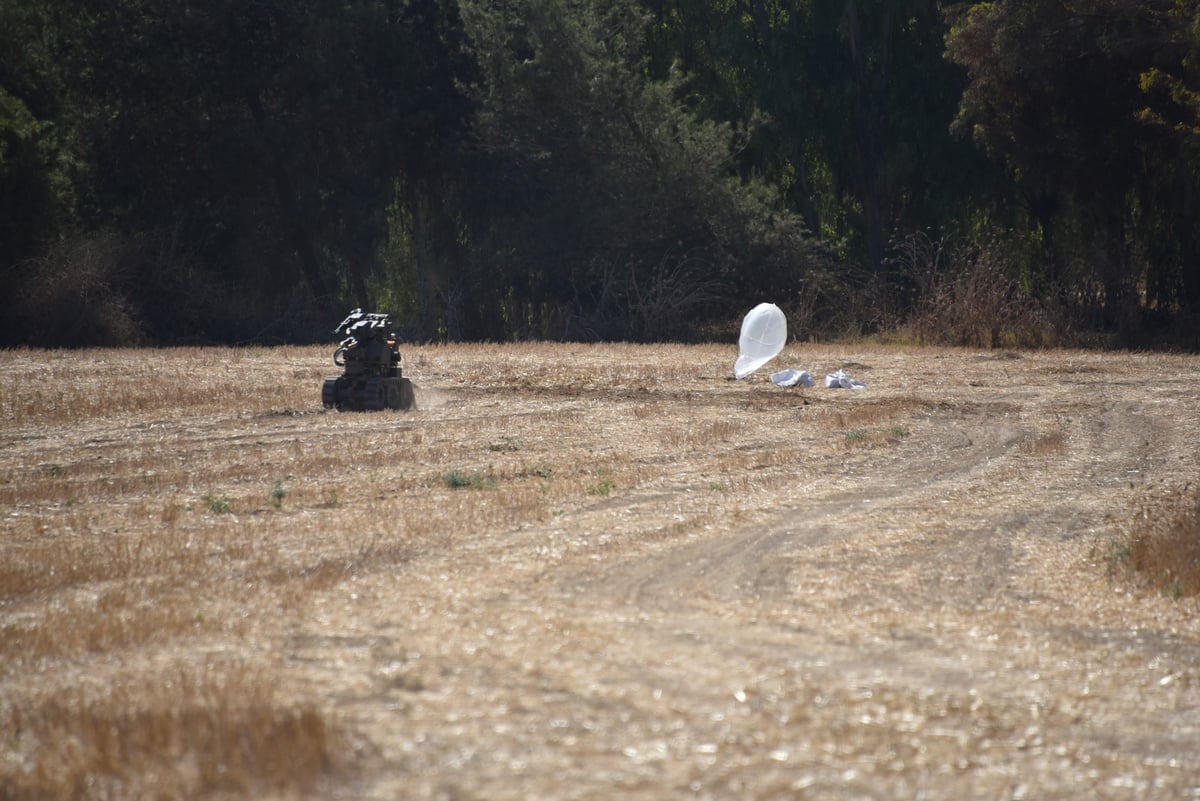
[764,333]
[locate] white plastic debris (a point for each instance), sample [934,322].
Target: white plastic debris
[764,333]
[791,377]
[840,379]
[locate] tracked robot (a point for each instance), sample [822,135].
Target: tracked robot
[371,379]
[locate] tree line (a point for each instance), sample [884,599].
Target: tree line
[1005,173]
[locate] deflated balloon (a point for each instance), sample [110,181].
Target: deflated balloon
[764,333]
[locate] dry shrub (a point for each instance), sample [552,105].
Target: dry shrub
[688,435]
[375,552]
[73,296]
[1164,545]
[120,618]
[52,563]
[96,593]
[879,412]
[647,411]
[107,289]
[647,302]
[663,304]
[968,297]
[1045,444]
[201,732]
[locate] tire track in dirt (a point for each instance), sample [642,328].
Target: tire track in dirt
[885,623]
[686,595]
[1112,439]
[756,561]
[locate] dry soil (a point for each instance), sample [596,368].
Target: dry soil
[594,572]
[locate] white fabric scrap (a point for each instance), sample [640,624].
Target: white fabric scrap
[843,381]
[791,377]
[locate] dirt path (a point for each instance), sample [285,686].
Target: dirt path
[925,615]
[668,584]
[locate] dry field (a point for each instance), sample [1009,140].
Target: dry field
[593,572]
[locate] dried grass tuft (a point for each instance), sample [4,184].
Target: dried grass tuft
[876,413]
[1164,545]
[217,729]
[1045,444]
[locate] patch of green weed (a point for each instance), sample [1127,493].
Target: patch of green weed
[461,479]
[278,493]
[218,506]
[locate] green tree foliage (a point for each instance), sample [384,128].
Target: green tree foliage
[857,100]
[635,169]
[26,194]
[263,140]
[34,191]
[611,211]
[277,127]
[1058,94]
[1167,204]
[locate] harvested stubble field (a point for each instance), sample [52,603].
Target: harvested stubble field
[591,572]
